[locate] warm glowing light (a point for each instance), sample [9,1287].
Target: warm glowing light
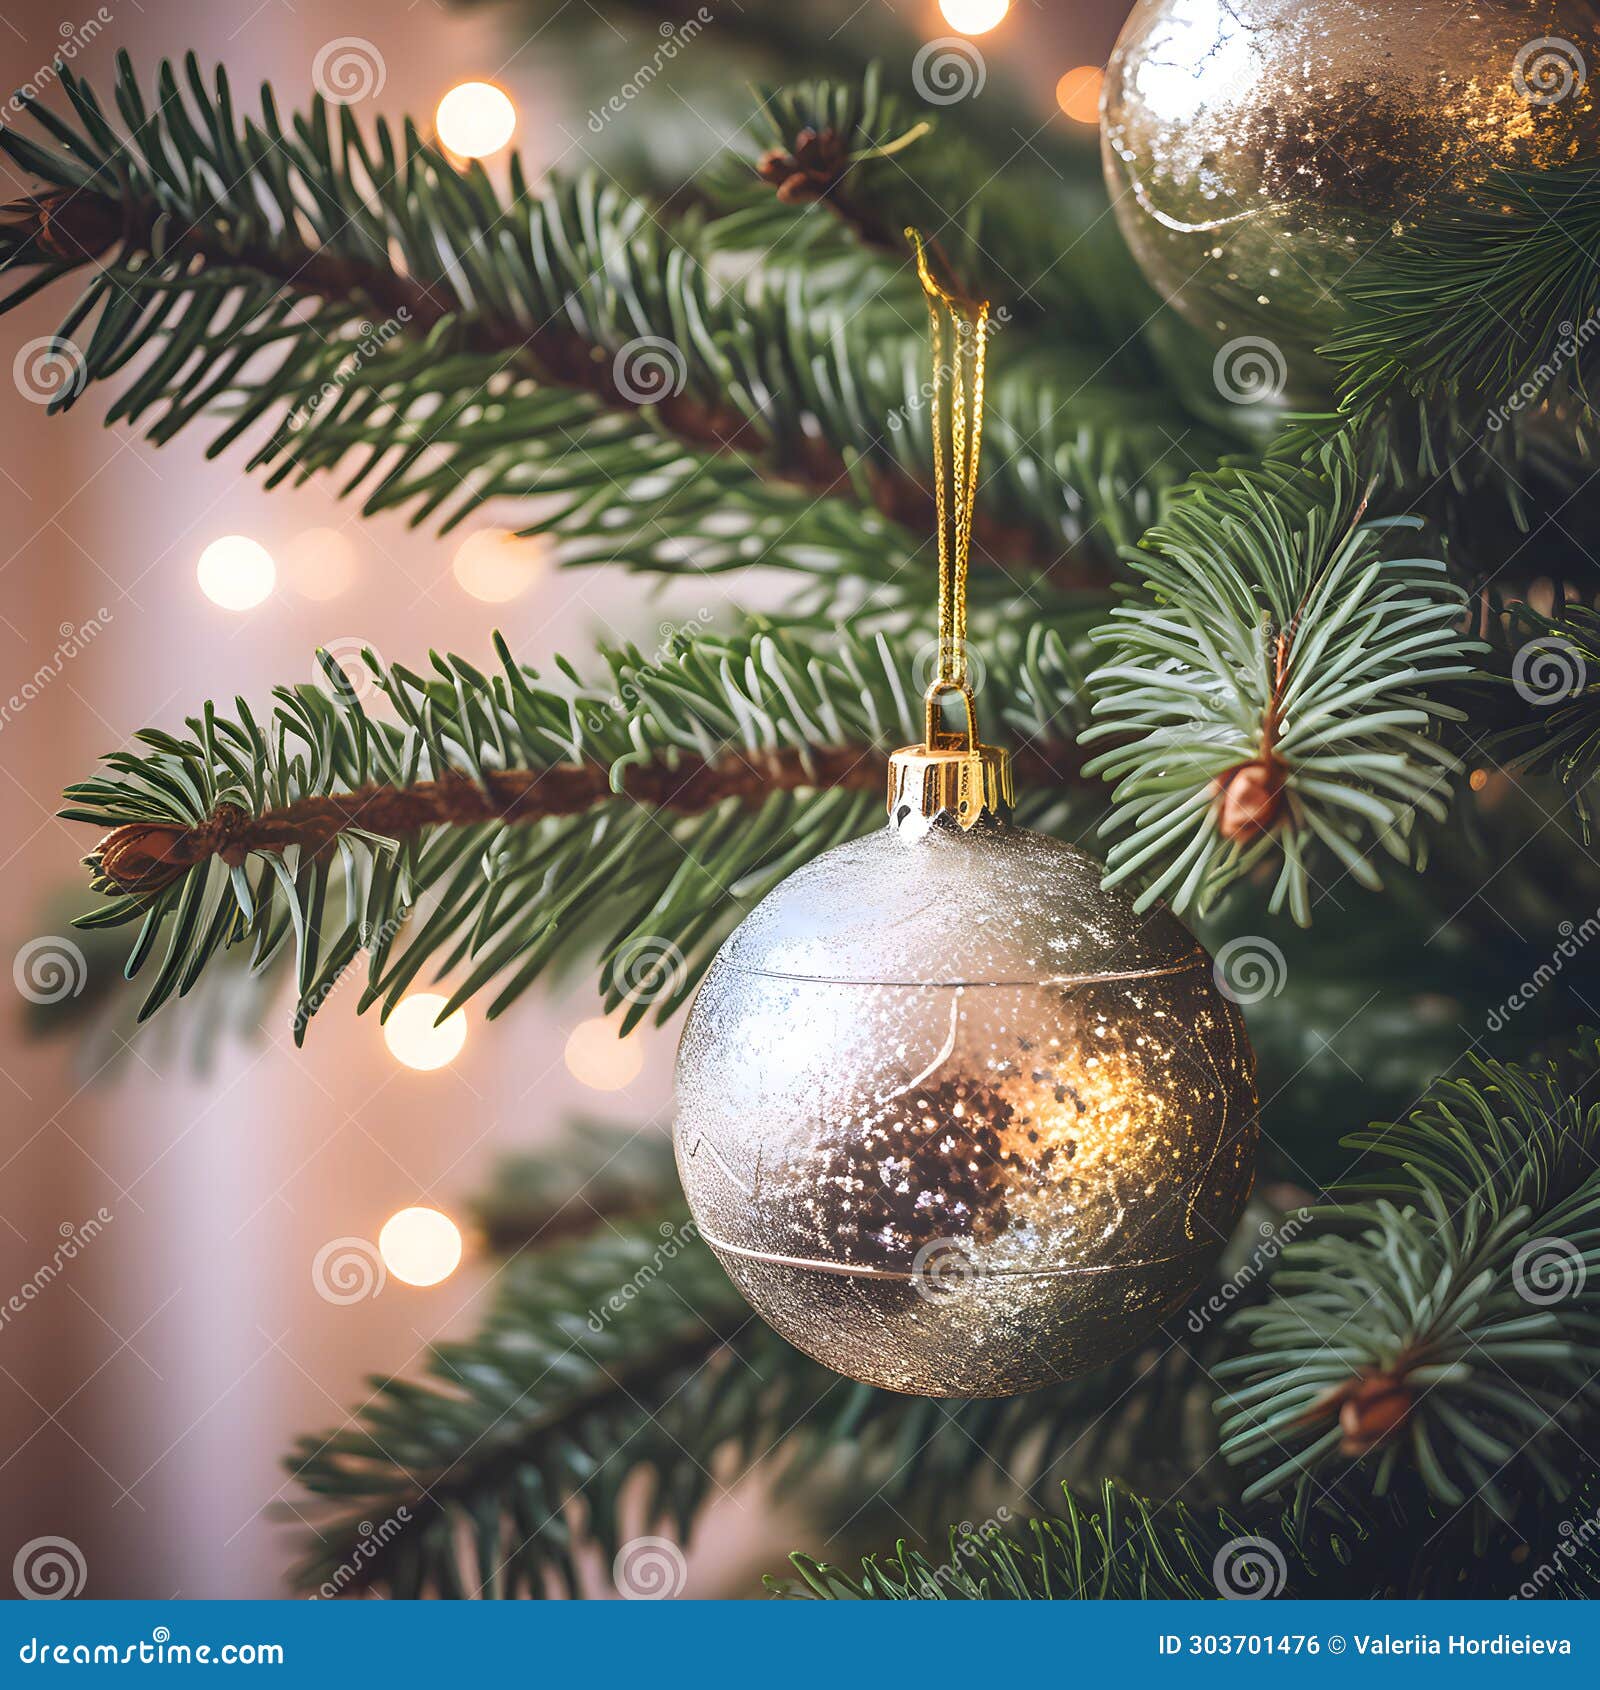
[236,572]
[1078,93]
[974,17]
[496,566]
[475,119]
[413,1038]
[420,1246]
[1478,779]
[321,563]
[597,1058]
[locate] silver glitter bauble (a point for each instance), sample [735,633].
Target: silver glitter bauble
[957,1121]
[1258,151]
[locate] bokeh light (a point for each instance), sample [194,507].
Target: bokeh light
[974,17]
[475,119]
[597,1058]
[415,1041]
[1078,93]
[321,564]
[236,572]
[420,1246]
[494,565]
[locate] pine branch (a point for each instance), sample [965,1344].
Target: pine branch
[366,304]
[1554,687]
[1275,700]
[587,1371]
[597,1171]
[615,1346]
[1491,291]
[879,162]
[636,819]
[1125,1548]
[1442,1323]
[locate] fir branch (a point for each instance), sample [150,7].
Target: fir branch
[1442,1323]
[368,304]
[1273,701]
[1554,688]
[637,818]
[1122,1545]
[1493,289]
[1125,1547]
[596,1171]
[577,1381]
[623,1349]
[879,162]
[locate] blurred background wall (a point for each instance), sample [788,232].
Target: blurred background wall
[150,1389]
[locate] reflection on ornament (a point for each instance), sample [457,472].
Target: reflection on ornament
[475,119]
[420,1246]
[957,1121]
[1259,150]
[236,572]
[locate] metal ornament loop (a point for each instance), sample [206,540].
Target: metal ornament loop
[934,735]
[950,774]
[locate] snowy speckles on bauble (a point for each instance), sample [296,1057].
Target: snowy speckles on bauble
[1259,151]
[957,1121]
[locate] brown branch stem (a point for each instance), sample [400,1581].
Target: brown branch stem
[82,227]
[145,856]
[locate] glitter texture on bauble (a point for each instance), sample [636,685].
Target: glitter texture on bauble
[957,1121]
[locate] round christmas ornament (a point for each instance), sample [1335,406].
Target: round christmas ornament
[1258,150]
[957,1121]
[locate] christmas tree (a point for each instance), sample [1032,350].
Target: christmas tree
[1301,631]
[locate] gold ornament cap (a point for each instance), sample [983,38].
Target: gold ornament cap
[950,774]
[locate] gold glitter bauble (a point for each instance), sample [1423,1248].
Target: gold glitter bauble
[1259,150]
[957,1121]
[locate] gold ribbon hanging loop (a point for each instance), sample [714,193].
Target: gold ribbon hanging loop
[952,774]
